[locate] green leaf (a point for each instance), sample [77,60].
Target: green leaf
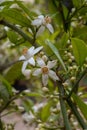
[15,16]
[45,113]
[62,42]
[65,11]
[28,105]
[7,85]
[80,32]
[14,72]
[32,94]
[77,3]
[4,93]
[25,9]
[82,106]
[6,4]
[53,9]
[79,50]
[13,37]
[56,52]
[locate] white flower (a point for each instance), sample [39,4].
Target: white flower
[28,59]
[28,117]
[41,22]
[46,71]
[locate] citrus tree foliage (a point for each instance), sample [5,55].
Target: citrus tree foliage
[43,62]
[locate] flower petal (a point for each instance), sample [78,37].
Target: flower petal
[37,72]
[37,50]
[31,61]
[50,27]
[22,58]
[40,62]
[24,66]
[40,31]
[45,79]
[53,75]
[41,17]
[30,51]
[51,64]
[27,73]
[38,22]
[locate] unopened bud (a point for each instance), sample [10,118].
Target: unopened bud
[68,41]
[70,46]
[70,60]
[45,89]
[73,79]
[65,84]
[45,58]
[73,10]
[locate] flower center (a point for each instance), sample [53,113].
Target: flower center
[45,70]
[47,19]
[25,51]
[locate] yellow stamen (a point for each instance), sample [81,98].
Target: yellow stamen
[47,19]
[45,70]
[25,51]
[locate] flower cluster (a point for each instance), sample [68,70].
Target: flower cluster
[43,69]
[28,58]
[41,23]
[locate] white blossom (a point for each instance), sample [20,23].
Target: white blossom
[28,58]
[42,22]
[28,117]
[46,71]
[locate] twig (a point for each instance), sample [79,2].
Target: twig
[73,108]
[77,82]
[7,104]
[77,114]
[63,107]
[3,36]
[5,66]
[18,30]
[7,113]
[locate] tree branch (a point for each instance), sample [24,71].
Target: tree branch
[77,82]
[7,104]
[76,113]
[18,30]
[63,107]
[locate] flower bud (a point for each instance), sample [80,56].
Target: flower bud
[70,46]
[41,53]
[72,57]
[40,125]
[45,89]
[68,41]
[65,84]
[45,58]
[70,60]
[73,10]
[75,67]
[69,54]
[65,52]
[73,79]
[70,68]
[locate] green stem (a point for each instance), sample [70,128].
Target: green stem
[76,11]
[77,114]
[62,15]
[25,36]
[7,104]
[63,107]
[76,83]
[7,113]
[1,125]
